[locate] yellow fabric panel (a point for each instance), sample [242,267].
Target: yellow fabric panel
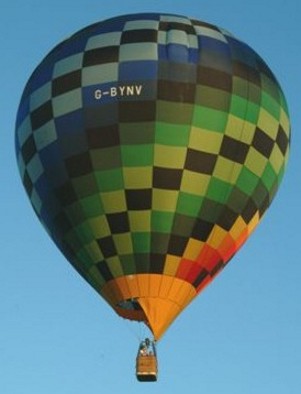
[123,243]
[241,239]
[193,249]
[171,265]
[194,183]
[113,201]
[205,140]
[99,226]
[242,234]
[248,132]
[234,123]
[115,266]
[226,169]
[137,177]
[216,237]
[276,159]
[256,162]
[140,221]
[167,156]
[268,123]
[237,228]
[164,200]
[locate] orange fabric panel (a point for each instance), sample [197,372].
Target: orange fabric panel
[122,286]
[184,268]
[112,293]
[208,258]
[242,238]
[160,314]
[132,283]
[166,286]
[161,297]
[143,284]
[155,282]
[181,292]
[227,248]
[185,294]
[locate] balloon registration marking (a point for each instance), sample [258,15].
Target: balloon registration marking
[119,91]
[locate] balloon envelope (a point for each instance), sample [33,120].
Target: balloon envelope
[150,147]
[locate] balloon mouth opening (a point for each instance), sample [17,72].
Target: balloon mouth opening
[131,304]
[131,309]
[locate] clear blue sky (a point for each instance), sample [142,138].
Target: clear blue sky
[241,336]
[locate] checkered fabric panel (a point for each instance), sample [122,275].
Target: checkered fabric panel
[151,143]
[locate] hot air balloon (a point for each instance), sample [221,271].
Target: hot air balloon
[150,146]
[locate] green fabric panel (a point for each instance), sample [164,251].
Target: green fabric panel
[137,155]
[171,134]
[269,176]
[162,221]
[141,242]
[92,206]
[247,181]
[189,204]
[209,118]
[110,180]
[270,104]
[218,190]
